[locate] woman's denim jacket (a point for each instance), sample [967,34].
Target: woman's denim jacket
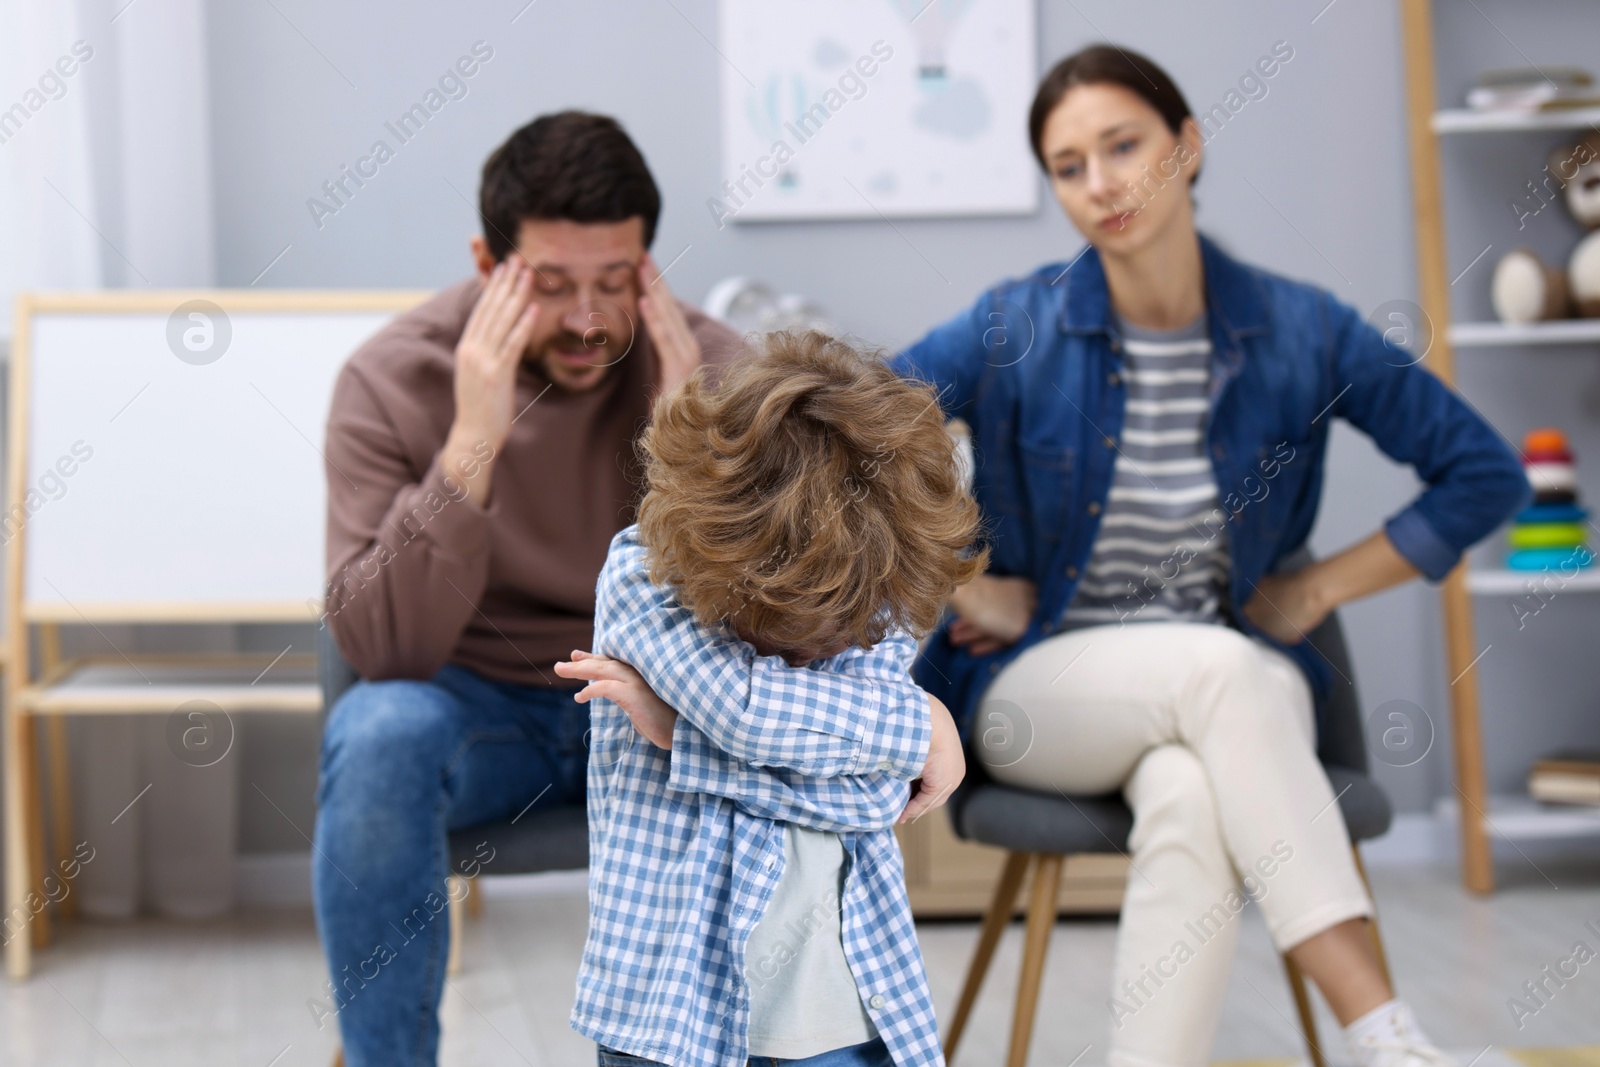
[1035,369]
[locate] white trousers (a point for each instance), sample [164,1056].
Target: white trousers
[1210,736]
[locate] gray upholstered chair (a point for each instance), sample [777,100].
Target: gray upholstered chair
[1042,829]
[541,839]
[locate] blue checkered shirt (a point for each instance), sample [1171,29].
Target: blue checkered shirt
[686,846]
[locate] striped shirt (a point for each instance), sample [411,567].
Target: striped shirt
[1161,550]
[686,847]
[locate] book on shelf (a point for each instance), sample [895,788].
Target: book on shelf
[1566,778]
[1533,89]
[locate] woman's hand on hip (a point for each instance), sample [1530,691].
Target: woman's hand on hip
[991,613]
[1288,606]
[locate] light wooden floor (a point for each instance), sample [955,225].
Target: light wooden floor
[235,992]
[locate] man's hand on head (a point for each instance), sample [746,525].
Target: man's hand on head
[677,352]
[487,356]
[619,682]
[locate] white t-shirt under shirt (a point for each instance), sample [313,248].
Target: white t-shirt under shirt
[803,998]
[1161,552]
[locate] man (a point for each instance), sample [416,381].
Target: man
[480,456]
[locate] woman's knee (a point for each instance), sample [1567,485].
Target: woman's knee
[1222,652]
[1236,684]
[1170,788]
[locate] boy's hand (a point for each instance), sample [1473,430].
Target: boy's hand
[617,681]
[946,766]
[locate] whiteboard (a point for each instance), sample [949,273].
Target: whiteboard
[174,452]
[875,108]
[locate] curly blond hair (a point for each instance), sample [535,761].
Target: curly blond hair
[812,500]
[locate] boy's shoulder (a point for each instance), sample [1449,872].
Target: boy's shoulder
[626,539]
[628,536]
[626,558]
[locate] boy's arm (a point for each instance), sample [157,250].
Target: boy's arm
[695,765]
[758,709]
[871,801]
[844,803]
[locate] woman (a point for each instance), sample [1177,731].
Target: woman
[1151,422]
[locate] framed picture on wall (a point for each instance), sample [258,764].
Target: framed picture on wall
[841,109]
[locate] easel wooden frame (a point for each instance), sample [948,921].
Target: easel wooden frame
[27,696]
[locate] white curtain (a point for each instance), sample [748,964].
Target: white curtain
[105,177]
[45,170]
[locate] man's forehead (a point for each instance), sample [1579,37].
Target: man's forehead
[566,247]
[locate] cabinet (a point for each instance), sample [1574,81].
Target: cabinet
[947,877]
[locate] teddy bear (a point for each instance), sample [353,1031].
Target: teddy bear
[1525,288]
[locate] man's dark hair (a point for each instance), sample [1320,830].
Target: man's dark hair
[570,165]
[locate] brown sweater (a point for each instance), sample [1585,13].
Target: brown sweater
[418,575]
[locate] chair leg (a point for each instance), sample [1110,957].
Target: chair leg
[1372,924]
[456,891]
[1302,1005]
[338,1057]
[994,924]
[474,898]
[1041,923]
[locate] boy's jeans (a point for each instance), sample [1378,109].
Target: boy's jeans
[872,1053]
[403,763]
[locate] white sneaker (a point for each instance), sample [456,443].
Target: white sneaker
[1399,1051]
[1389,1036]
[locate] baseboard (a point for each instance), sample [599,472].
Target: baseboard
[272,880]
[1415,839]
[283,880]
[1431,839]
[535,885]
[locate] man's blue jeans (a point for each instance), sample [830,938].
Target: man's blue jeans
[403,764]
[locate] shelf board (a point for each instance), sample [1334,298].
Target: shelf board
[1467,120]
[1507,335]
[160,683]
[1515,583]
[1523,818]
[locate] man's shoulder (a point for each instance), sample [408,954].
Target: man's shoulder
[719,342]
[415,341]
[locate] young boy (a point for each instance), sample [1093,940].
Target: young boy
[754,727]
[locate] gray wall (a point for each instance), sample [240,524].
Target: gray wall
[1311,180]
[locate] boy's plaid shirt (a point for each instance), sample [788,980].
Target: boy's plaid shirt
[686,846]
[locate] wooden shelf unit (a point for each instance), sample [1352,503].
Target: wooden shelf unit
[1478,814]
